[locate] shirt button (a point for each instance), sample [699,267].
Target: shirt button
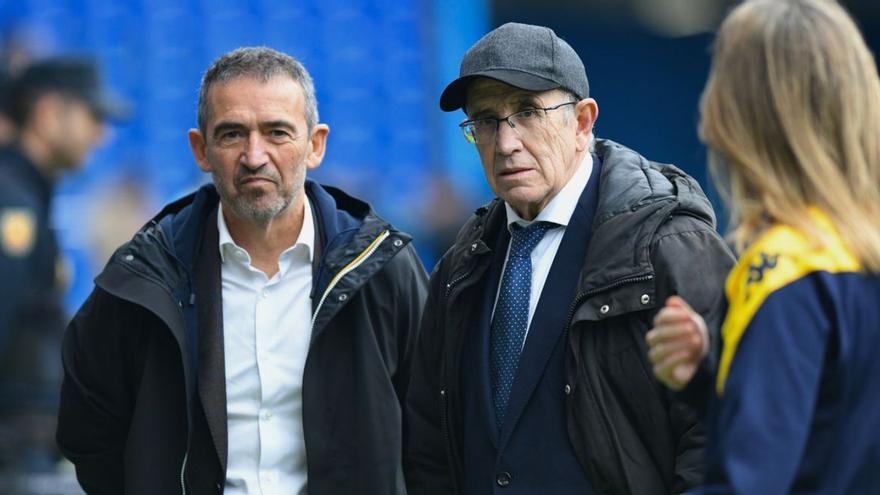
[342,297]
[646,299]
[264,293]
[604,309]
[567,389]
[503,479]
[267,415]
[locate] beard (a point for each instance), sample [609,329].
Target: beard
[257,205]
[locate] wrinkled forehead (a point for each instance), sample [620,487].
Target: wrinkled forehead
[489,95]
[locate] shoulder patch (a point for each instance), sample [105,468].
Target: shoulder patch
[779,257]
[760,267]
[18,231]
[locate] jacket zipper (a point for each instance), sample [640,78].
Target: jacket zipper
[151,232]
[182,474]
[451,285]
[613,285]
[447,441]
[345,270]
[444,400]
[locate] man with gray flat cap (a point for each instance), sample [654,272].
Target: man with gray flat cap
[58,108]
[530,374]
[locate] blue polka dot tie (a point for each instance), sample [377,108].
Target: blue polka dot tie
[511,317]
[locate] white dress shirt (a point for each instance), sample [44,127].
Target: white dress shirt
[558,211]
[266,341]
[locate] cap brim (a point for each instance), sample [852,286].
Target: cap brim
[110,107]
[454,96]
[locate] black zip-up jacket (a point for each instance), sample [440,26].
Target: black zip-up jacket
[653,237]
[143,400]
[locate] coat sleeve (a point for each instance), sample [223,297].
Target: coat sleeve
[426,464]
[692,261]
[411,290]
[99,354]
[16,283]
[17,244]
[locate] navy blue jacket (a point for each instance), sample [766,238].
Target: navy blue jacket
[143,406]
[796,407]
[31,313]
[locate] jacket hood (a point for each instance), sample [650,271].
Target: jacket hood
[636,196]
[630,181]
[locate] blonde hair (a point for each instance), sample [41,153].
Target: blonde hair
[791,114]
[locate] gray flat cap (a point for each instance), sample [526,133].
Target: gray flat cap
[524,56]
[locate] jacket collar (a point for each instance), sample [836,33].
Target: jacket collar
[165,249]
[338,215]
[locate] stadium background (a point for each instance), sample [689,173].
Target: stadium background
[379,67]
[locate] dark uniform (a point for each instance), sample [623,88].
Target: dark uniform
[31,315]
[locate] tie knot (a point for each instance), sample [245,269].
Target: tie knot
[524,239]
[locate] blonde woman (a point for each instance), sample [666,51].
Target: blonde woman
[791,114]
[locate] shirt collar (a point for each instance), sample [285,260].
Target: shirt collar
[306,235]
[560,209]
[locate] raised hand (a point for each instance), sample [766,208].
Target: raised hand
[677,343]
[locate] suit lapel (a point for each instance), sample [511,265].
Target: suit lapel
[550,318]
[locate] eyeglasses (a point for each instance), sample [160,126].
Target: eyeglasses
[483,131]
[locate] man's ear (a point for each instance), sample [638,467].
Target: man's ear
[198,146]
[586,112]
[317,145]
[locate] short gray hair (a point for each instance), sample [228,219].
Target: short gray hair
[262,63]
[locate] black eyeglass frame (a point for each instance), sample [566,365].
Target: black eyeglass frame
[472,136]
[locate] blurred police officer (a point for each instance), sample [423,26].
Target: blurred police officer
[58,108]
[7,130]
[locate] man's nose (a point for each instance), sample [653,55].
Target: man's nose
[507,138]
[254,154]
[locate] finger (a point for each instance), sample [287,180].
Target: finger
[674,331]
[675,373]
[700,324]
[683,373]
[676,379]
[671,314]
[666,377]
[663,350]
[690,343]
[679,303]
[674,359]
